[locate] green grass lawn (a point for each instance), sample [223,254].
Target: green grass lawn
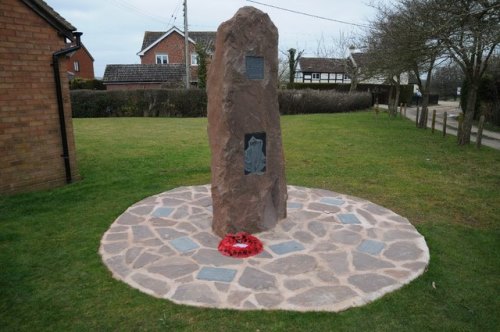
[52,277]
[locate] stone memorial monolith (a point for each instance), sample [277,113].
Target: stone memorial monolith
[248,169]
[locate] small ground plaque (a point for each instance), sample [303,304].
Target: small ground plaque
[255,153]
[255,67]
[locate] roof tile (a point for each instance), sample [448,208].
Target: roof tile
[322,65]
[144,73]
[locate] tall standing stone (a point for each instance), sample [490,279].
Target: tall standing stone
[248,169]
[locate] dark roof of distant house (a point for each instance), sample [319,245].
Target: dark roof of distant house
[144,73]
[51,16]
[361,59]
[322,65]
[198,36]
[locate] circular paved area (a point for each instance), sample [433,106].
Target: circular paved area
[332,252]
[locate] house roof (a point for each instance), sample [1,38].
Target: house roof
[322,65]
[51,16]
[152,38]
[360,59]
[144,73]
[84,49]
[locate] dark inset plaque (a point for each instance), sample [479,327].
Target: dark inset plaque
[255,153]
[254,67]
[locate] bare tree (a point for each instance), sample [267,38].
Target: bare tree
[401,40]
[336,47]
[470,31]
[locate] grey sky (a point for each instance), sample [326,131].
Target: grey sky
[113,29]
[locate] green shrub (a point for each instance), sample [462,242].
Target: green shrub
[192,102]
[83,84]
[316,101]
[380,91]
[150,103]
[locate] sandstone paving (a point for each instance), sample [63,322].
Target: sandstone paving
[332,252]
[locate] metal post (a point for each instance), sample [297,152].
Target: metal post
[186,44]
[445,119]
[433,120]
[480,127]
[460,126]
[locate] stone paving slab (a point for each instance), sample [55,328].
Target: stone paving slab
[331,253]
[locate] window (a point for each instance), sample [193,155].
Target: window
[161,58]
[315,76]
[76,66]
[194,59]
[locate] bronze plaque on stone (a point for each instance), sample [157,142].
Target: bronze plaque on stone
[254,67]
[255,153]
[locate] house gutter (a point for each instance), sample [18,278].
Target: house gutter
[60,103]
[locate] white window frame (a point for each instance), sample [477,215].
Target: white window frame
[316,76]
[76,65]
[160,57]
[194,59]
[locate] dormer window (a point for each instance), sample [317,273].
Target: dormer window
[161,59]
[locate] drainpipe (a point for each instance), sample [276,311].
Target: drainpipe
[60,104]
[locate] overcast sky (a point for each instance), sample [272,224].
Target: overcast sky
[113,29]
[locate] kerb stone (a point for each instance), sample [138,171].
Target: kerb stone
[248,173]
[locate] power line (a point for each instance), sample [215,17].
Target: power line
[310,15]
[173,17]
[138,11]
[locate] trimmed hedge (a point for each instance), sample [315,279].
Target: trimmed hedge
[138,103]
[316,101]
[380,91]
[80,83]
[193,102]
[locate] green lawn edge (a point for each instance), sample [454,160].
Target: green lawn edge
[52,277]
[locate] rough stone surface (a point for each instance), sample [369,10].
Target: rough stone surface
[334,267]
[257,280]
[403,251]
[371,282]
[322,296]
[156,286]
[292,265]
[363,262]
[241,104]
[199,293]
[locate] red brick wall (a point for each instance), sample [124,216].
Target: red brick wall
[30,141]
[173,45]
[85,63]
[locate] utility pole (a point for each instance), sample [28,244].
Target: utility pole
[186,44]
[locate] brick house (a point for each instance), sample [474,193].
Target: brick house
[162,51]
[37,149]
[80,64]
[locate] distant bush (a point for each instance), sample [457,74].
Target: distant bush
[378,91]
[317,101]
[83,84]
[193,102]
[138,103]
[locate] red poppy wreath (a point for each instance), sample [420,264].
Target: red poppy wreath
[240,245]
